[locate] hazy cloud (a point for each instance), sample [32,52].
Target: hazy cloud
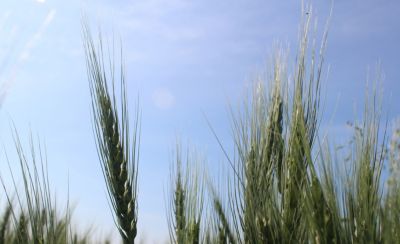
[38,35]
[25,54]
[163,99]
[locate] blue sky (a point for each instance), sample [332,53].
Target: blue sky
[183,58]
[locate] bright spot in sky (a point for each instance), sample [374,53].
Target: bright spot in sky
[40,1]
[163,99]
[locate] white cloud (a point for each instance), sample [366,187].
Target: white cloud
[49,18]
[155,8]
[38,35]
[40,1]
[25,53]
[163,99]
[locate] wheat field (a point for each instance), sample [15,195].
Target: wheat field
[285,181]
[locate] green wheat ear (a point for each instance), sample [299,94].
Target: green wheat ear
[119,158]
[186,200]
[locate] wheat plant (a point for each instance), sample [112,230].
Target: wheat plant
[118,150]
[186,199]
[285,187]
[33,215]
